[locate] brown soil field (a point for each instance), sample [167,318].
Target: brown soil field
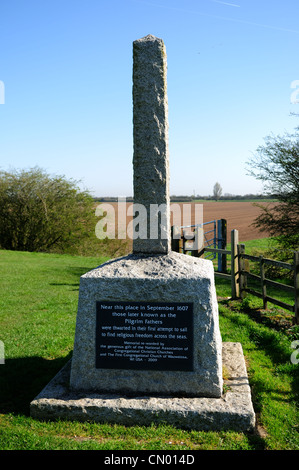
[239,215]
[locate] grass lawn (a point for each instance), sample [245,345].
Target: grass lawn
[38,306]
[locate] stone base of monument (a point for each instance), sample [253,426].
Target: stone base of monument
[148,324]
[148,349]
[232,411]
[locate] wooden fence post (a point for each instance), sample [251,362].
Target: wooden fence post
[199,242]
[222,240]
[175,238]
[296,286]
[241,267]
[234,264]
[263,283]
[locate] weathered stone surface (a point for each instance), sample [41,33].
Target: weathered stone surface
[232,411]
[191,399]
[150,136]
[169,278]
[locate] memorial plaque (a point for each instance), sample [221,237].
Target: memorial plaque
[144,335]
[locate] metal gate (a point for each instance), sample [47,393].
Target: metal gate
[214,236]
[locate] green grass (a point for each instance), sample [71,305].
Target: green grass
[38,305]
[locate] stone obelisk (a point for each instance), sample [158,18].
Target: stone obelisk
[150,132]
[148,322]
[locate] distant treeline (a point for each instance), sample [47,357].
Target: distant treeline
[225,197]
[113,199]
[236,197]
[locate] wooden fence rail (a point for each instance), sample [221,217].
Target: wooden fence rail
[264,282]
[239,274]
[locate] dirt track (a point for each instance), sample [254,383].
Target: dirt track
[239,215]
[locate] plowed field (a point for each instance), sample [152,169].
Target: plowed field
[239,215]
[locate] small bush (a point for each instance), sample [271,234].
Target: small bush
[43,213]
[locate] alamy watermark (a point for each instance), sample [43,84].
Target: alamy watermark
[2,355]
[136,221]
[2,92]
[295,354]
[295,93]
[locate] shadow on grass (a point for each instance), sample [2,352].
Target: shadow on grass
[77,272]
[22,379]
[68,284]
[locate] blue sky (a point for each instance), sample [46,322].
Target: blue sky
[66,73]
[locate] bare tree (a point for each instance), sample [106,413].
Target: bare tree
[217,191]
[276,164]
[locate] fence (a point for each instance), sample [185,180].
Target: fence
[196,244]
[207,236]
[245,274]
